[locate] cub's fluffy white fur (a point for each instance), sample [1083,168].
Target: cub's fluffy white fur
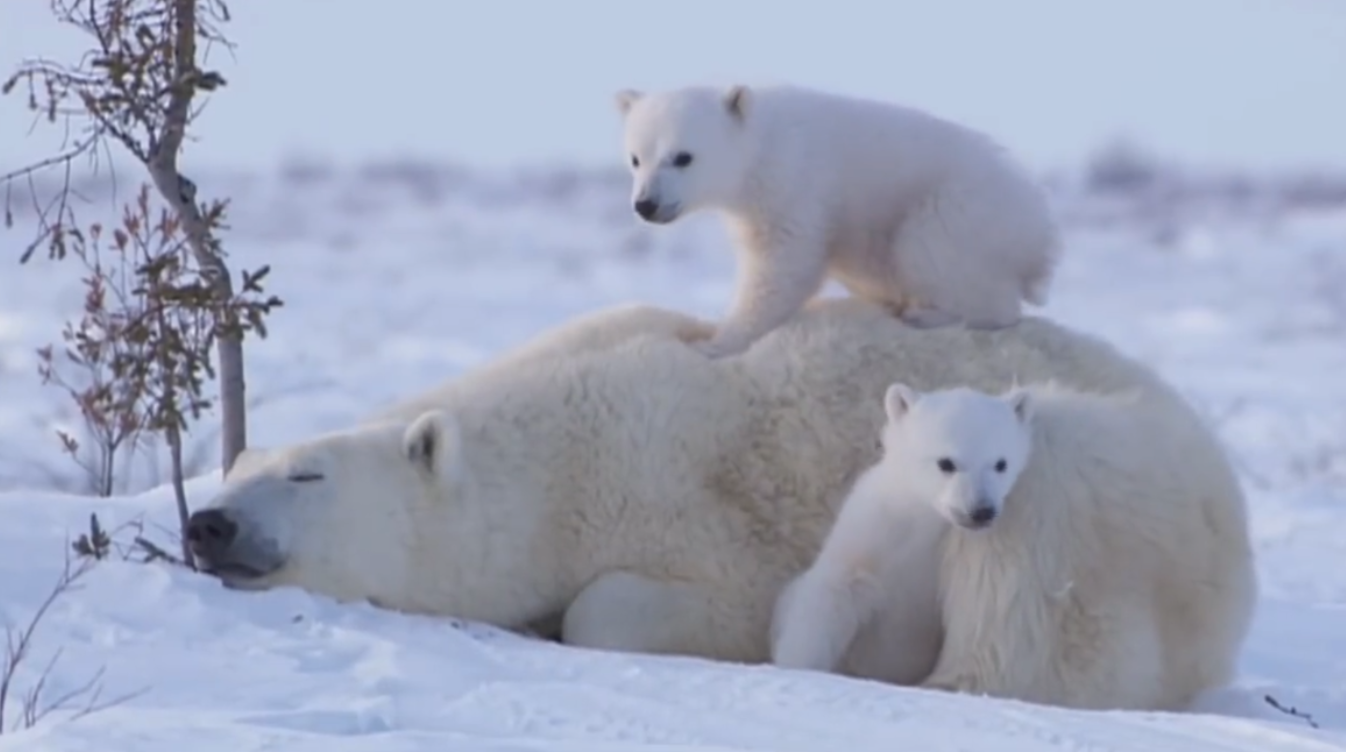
[924,216]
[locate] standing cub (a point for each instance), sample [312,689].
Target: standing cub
[904,209]
[1084,560]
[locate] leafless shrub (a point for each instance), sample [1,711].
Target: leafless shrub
[25,709]
[135,88]
[158,294]
[132,472]
[99,543]
[144,340]
[135,472]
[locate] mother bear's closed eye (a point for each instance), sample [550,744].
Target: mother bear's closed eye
[308,477]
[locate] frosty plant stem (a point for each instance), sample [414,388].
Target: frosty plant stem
[26,710]
[135,88]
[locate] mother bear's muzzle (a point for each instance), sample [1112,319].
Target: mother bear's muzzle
[213,535]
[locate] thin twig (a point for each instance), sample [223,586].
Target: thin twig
[18,644]
[60,159]
[1291,710]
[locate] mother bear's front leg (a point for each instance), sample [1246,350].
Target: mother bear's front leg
[625,611]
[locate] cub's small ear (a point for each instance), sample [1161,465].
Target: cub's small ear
[1022,401]
[433,443]
[736,102]
[626,98]
[898,400]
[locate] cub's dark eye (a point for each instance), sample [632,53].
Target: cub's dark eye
[682,159]
[305,477]
[635,161]
[1000,466]
[946,466]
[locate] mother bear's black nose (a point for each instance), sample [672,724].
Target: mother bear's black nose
[210,532]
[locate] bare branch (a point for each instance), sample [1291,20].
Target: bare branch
[1290,711]
[63,158]
[18,650]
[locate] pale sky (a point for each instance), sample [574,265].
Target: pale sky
[1238,82]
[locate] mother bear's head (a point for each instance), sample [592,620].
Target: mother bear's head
[337,515]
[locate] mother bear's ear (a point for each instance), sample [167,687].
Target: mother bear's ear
[433,443]
[248,458]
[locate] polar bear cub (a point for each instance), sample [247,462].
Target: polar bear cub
[922,215]
[884,544]
[1083,561]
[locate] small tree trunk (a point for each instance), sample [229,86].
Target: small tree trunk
[229,345]
[181,195]
[180,492]
[233,400]
[107,465]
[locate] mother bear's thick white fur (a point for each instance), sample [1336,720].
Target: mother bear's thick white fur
[1120,573]
[607,474]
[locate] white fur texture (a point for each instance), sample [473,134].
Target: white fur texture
[924,216]
[639,495]
[940,464]
[868,604]
[1110,566]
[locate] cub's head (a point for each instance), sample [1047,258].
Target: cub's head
[687,149]
[336,515]
[960,448]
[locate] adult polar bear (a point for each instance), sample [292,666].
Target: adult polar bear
[608,473]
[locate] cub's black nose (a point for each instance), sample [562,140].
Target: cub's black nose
[646,208]
[982,515]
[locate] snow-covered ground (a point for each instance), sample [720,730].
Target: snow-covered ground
[396,276]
